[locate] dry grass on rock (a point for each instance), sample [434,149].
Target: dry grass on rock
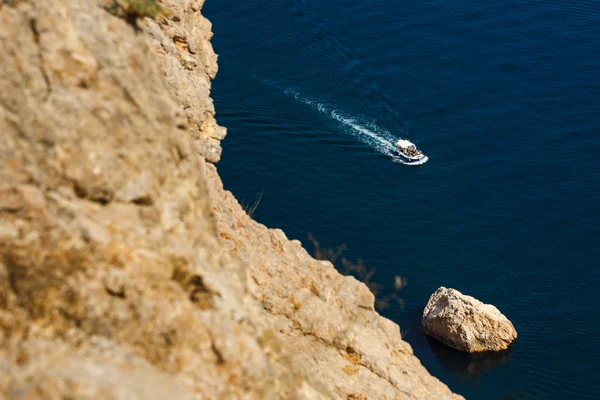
[132,9]
[361,272]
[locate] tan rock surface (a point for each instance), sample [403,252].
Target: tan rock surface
[465,323]
[126,271]
[181,42]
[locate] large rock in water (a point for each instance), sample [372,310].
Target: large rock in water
[465,323]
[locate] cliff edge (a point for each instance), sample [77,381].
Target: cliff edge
[126,270]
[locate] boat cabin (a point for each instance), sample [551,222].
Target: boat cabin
[407,148]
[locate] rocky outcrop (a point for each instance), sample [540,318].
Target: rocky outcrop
[181,43]
[465,323]
[126,270]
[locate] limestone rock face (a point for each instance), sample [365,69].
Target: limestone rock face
[465,323]
[181,43]
[126,270]
[331,330]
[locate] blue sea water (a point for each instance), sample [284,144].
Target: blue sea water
[504,98]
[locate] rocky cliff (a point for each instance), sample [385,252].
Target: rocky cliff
[126,270]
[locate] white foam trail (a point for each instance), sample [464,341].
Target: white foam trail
[378,139]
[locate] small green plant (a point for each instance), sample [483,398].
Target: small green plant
[361,272]
[140,8]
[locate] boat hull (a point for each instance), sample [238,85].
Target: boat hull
[410,160]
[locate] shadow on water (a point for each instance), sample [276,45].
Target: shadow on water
[467,368]
[464,365]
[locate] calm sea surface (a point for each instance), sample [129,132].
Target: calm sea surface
[504,98]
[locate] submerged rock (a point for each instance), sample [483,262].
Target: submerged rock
[465,323]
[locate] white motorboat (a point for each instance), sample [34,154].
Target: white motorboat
[409,153]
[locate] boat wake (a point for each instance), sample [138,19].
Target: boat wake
[373,136]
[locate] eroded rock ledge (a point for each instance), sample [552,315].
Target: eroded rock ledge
[126,270]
